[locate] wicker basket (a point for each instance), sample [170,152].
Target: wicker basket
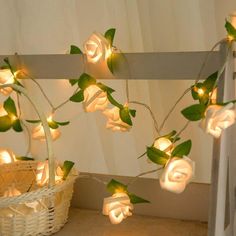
[37,210]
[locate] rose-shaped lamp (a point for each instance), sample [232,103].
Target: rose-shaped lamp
[117,207]
[11,192]
[114,121]
[97,47]
[177,174]
[6,77]
[94,99]
[217,118]
[163,144]
[38,133]
[6,156]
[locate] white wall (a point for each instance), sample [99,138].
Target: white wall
[46,27]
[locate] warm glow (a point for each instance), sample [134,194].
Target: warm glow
[217,118]
[117,207]
[233,19]
[200,92]
[38,133]
[177,174]
[163,144]
[42,175]
[11,192]
[213,96]
[97,47]
[49,119]
[94,99]
[6,77]
[6,156]
[3,112]
[114,121]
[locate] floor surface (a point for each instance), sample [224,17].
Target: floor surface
[93,223]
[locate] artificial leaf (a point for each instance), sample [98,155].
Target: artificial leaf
[105,88]
[63,123]
[132,112]
[24,158]
[110,34]
[5,123]
[142,155]
[194,112]
[125,116]
[113,101]
[230,29]
[134,199]
[110,63]
[17,126]
[116,187]
[169,135]
[157,156]
[33,121]
[86,80]
[73,81]
[209,83]
[78,97]
[67,166]
[10,107]
[182,149]
[53,124]
[75,50]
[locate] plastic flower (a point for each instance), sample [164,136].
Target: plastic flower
[6,156]
[163,144]
[38,133]
[117,207]
[6,77]
[97,47]
[177,174]
[94,99]
[217,118]
[114,121]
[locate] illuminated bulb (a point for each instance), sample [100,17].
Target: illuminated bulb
[6,156]
[117,207]
[217,118]
[49,119]
[177,173]
[94,99]
[6,77]
[200,92]
[38,133]
[42,173]
[97,47]
[114,122]
[163,144]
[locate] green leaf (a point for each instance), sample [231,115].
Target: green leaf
[86,80]
[113,101]
[194,92]
[169,135]
[194,112]
[67,166]
[209,83]
[17,126]
[73,81]
[105,88]
[116,187]
[110,63]
[157,156]
[182,149]
[78,97]
[110,34]
[63,123]
[142,155]
[230,29]
[75,50]
[136,199]
[132,112]
[33,121]
[53,124]
[125,116]
[10,107]
[5,123]
[24,158]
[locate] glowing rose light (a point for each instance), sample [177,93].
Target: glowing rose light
[6,77]
[114,121]
[6,156]
[97,47]
[217,118]
[38,133]
[177,174]
[94,99]
[11,192]
[163,144]
[213,96]
[42,175]
[117,207]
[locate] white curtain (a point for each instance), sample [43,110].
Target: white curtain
[50,27]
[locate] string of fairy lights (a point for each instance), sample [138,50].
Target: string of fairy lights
[167,151]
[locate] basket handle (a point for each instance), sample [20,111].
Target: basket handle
[36,105]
